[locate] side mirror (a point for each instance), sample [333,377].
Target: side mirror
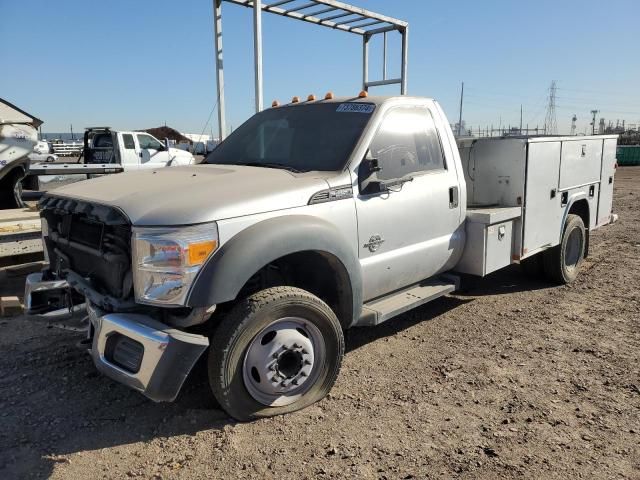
[367,175]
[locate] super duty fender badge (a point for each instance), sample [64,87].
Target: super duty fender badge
[374,243]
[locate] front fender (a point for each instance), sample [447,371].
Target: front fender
[228,270]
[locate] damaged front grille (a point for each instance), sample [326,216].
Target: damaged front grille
[89,242]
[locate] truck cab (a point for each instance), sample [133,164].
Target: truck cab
[133,150]
[309,219]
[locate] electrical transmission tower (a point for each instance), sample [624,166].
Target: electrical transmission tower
[593,122]
[550,124]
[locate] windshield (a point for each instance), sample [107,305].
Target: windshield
[301,138]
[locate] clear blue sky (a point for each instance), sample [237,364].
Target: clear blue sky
[139,64]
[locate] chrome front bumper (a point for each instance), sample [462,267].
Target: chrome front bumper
[133,349]
[155,359]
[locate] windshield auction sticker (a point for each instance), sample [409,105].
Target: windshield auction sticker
[356,108]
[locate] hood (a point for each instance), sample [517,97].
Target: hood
[177,152]
[196,194]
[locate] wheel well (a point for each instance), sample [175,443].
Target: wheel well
[581,208]
[319,273]
[11,171]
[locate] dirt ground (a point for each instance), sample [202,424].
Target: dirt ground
[512,379]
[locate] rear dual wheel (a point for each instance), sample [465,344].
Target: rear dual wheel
[561,263]
[276,352]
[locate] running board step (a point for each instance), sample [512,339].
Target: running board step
[383,308]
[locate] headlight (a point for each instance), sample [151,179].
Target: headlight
[166,260]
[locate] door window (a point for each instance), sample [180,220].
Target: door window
[127,139]
[407,142]
[148,142]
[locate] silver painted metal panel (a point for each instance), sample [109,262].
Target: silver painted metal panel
[581,162]
[491,216]
[542,207]
[490,240]
[605,201]
[494,171]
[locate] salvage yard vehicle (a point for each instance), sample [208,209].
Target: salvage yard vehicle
[309,219]
[132,150]
[106,152]
[18,137]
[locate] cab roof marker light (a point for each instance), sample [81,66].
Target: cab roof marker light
[311,98]
[275,104]
[363,94]
[295,100]
[329,96]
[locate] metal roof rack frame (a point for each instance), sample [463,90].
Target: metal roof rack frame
[326,13]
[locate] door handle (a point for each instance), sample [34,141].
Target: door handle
[453,197]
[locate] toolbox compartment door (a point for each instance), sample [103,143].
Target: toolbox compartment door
[542,212]
[605,200]
[581,163]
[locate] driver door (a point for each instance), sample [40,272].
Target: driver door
[410,231]
[152,152]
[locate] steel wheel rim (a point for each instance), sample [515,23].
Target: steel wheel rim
[572,250]
[283,361]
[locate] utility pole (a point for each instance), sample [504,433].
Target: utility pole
[460,116]
[593,122]
[573,124]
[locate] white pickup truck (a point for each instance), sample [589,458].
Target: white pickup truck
[310,218]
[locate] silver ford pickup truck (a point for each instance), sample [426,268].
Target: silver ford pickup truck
[311,218]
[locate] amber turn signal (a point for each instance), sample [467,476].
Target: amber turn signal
[199,252]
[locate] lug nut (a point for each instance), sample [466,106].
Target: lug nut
[303,374]
[295,382]
[307,362]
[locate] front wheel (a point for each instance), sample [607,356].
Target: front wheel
[562,263]
[276,352]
